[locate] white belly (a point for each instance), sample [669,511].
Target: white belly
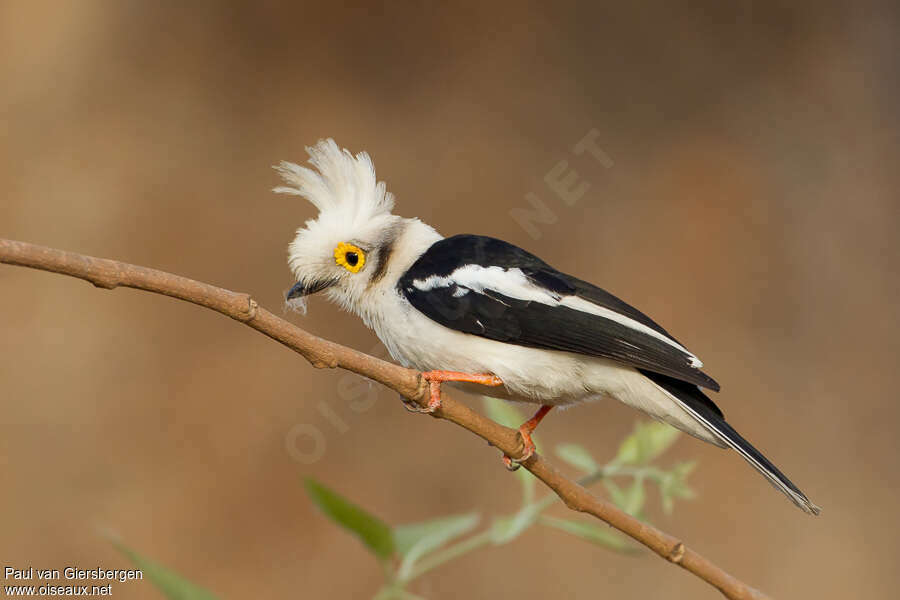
[529,374]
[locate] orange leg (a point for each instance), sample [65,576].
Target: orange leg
[525,431]
[436,378]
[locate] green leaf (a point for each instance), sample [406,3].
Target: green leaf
[506,529]
[668,502]
[578,457]
[503,412]
[615,493]
[172,585]
[674,485]
[418,539]
[602,536]
[634,497]
[443,530]
[683,469]
[373,532]
[391,592]
[646,443]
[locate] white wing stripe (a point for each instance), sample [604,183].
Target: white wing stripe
[515,284]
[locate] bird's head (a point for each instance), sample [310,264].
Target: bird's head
[345,250]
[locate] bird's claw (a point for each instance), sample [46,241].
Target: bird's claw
[434,401]
[513,464]
[436,378]
[421,410]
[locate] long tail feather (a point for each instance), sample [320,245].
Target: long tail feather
[699,406]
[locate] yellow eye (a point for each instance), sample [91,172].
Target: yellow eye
[350,257]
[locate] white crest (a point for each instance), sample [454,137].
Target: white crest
[343,187]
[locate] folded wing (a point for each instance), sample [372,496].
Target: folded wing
[487,287]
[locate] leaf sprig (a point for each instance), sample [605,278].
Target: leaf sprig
[419,548]
[409,551]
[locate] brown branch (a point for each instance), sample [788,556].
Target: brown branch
[321,353]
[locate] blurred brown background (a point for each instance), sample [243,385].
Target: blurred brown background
[752,209]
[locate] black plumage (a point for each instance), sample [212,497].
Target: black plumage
[492,314]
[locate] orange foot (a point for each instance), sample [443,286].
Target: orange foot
[436,378]
[525,432]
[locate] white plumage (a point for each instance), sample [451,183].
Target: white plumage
[478,305]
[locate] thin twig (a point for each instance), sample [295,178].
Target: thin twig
[321,353]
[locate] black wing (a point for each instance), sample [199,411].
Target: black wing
[433,285]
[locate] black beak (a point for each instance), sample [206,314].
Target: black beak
[300,290]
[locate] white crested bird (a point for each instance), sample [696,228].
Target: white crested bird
[490,317]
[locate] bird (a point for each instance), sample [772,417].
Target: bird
[483,315]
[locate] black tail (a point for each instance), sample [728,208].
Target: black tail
[699,406]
